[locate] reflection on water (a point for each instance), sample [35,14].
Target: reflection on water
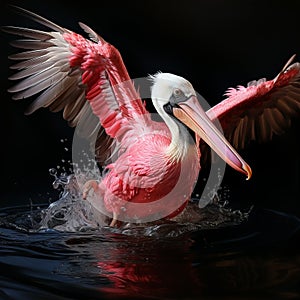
[258,258]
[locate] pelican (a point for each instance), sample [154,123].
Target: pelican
[157,163]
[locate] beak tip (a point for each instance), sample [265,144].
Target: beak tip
[248,171]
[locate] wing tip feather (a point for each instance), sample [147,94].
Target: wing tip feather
[37,18]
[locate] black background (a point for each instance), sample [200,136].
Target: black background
[214,44]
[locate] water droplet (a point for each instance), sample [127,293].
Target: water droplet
[53,171]
[55,185]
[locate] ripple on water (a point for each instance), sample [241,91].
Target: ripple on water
[66,251]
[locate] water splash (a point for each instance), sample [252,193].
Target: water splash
[70,213]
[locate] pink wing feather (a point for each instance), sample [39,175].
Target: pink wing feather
[261,109]
[71,73]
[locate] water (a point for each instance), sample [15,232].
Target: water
[66,251]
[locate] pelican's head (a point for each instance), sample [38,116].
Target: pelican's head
[175,100]
[167,86]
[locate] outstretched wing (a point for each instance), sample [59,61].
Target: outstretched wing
[261,109]
[68,72]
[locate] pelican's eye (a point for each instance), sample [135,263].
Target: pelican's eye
[177,92]
[177,97]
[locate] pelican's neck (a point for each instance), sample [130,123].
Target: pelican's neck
[180,137]
[180,140]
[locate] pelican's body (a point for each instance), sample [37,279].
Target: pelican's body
[157,163]
[145,174]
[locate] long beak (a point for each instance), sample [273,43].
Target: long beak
[192,115]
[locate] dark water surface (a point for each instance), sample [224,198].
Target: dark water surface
[258,258]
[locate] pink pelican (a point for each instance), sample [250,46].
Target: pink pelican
[71,73]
